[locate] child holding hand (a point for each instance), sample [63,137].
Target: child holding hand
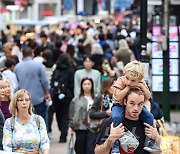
[133,77]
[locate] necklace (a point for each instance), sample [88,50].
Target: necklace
[24,120]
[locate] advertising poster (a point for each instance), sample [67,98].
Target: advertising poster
[80,6]
[157,67]
[157,50]
[157,59]
[174,67]
[157,83]
[173,50]
[173,33]
[156,32]
[158,53]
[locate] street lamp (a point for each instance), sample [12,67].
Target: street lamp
[166,92]
[143,39]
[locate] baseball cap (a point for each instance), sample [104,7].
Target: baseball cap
[128,142]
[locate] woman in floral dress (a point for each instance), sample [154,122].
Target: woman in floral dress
[24,132]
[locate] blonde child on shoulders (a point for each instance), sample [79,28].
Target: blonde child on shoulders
[133,77]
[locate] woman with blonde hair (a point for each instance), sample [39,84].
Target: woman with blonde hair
[24,132]
[1,114]
[5,99]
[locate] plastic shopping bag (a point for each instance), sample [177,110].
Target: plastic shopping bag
[169,144]
[70,149]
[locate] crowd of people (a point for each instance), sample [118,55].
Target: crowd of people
[68,72]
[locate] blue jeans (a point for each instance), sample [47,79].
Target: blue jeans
[41,109]
[118,114]
[146,116]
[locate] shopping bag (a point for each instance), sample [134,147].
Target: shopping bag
[92,124]
[169,144]
[71,145]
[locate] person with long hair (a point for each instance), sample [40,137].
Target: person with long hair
[21,132]
[62,85]
[87,71]
[78,109]
[101,107]
[5,99]
[106,69]
[104,99]
[1,114]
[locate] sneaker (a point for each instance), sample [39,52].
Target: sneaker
[115,148]
[152,147]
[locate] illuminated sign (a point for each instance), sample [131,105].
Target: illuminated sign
[48,13]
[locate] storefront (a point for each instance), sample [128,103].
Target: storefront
[41,9]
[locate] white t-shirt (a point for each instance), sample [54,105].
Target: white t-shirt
[90,101]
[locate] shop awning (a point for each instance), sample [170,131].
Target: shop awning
[4,10]
[28,22]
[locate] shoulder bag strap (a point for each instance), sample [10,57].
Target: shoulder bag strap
[12,123]
[164,132]
[37,120]
[101,105]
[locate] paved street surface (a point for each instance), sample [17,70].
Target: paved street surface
[56,147]
[175,117]
[61,148]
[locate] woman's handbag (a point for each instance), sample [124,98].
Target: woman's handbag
[71,145]
[93,124]
[169,144]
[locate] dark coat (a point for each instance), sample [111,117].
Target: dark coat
[69,79]
[155,110]
[1,128]
[94,111]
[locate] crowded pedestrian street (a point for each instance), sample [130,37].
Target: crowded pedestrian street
[89,77]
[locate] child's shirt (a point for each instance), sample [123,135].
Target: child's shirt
[120,84]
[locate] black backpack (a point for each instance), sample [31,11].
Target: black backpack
[59,82]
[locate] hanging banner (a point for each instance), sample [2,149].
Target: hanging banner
[68,4]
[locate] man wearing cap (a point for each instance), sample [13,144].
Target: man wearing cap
[134,102]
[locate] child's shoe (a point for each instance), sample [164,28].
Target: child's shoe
[151,146]
[115,148]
